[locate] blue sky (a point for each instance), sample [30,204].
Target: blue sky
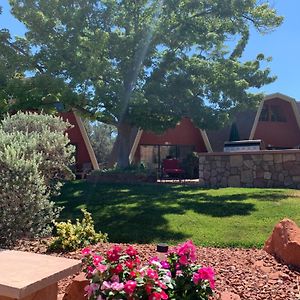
[283,45]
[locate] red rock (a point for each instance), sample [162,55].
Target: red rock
[275,275]
[284,242]
[258,264]
[75,290]
[229,296]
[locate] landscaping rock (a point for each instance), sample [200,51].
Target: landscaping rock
[249,273]
[229,296]
[75,290]
[284,243]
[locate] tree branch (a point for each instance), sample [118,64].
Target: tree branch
[24,53]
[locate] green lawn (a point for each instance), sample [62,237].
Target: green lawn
[154,213]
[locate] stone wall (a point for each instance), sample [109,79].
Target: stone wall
[268,168]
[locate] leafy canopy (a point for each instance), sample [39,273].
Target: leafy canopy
[141,62]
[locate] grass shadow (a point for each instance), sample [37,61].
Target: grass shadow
[137,213]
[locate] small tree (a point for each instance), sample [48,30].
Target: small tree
[34,158]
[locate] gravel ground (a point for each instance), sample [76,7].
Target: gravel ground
[251,273]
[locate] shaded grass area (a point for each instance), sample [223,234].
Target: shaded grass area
[150,213]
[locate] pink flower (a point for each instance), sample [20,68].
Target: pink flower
[161,285]
[205,273]
[101,268]
[196,278]
[105,285]
[132,274]
[130,286]
[89,271]
[118,269]
[188,249]
[154,259]
[91,288]
[117,286]
[86,251]
[115,278]
[163,295]
[129,264]
[154,296]
[97,259]
[152,273]
[183,260]
[158,296]
[114,253]
[165,265]
[131,251]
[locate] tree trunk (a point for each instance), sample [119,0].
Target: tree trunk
[124,133]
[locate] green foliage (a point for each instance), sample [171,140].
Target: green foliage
[43,134]
[34,159]
[146,64]
[74,236]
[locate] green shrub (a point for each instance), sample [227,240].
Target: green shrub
[25,208]
[34,159]
[44,134]
[75,236]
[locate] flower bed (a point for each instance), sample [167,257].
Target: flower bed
[250,273]
[120,275]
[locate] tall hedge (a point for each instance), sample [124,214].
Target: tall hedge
[35,156]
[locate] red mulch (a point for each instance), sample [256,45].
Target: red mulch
[251,273]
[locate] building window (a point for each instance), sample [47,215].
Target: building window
[272,113]
[153,155]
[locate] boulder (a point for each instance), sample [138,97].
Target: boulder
[229,296]
[75,290]
[284,242]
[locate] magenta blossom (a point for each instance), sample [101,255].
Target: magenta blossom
[130,286]
[101,268]
[154,260]
[183,260]
[131,251]
[86,251]
[205,273]
[97,259]
[106,285]
[165,265]
[152,273]
[91,288]
[188,249]
[115,278]
[117,286]
[114,254]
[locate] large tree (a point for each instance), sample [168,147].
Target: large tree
[147,63]
[36,90]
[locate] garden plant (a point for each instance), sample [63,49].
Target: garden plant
[34,160]
[120,275]
[71,236]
